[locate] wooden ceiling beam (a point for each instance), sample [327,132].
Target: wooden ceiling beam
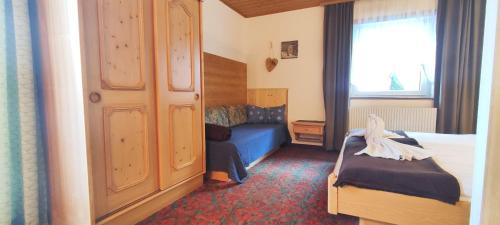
[252,8]
[332,2]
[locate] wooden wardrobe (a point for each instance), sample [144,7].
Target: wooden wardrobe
[143,62]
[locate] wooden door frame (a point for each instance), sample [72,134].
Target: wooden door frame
[66,124]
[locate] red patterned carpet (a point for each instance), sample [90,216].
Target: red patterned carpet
[289,187]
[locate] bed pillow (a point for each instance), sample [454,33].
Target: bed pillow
[256,114]
[276,114]
[217,115]
[237,115]
[217,133]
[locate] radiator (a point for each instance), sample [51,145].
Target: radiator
[407,119]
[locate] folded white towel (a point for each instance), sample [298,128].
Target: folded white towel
[362,132]
[379,144]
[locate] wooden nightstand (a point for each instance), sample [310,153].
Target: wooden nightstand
[309,131]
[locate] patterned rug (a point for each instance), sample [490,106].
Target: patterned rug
[289,187]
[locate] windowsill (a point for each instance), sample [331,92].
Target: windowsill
[394,98]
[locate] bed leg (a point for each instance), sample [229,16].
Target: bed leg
[219,176]
[363,221]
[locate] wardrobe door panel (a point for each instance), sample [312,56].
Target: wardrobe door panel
[121,46]
[184,140]
[180,45]
[180,118]
[118,41]
[125,146]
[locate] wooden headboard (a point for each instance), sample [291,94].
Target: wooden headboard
[225,81]
[267,97]
[226,84]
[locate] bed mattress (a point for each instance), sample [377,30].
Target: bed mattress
[454,153]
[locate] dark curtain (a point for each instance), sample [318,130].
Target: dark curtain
[460,25]
[336,72]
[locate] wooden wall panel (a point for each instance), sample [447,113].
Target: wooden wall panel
[225,81]
[269,97]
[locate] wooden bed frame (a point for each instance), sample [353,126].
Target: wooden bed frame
[380,207]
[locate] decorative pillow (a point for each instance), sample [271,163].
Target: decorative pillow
[217,133]
[217,115]
[276,114]
[256,114]
[237,115]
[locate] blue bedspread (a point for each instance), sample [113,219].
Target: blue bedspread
[248,143]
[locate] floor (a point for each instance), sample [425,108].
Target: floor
[289,187]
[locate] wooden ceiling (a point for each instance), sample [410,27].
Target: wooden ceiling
[252,8]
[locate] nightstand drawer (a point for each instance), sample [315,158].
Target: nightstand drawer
[308,129]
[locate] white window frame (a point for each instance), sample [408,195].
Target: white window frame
[426,92]
[366,11]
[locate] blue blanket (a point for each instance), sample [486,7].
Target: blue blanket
[248,143]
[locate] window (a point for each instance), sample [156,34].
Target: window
[393,51]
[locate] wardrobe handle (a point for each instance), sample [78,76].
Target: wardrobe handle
[94,97]
[196,96]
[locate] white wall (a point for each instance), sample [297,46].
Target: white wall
[223,31]
[303,75]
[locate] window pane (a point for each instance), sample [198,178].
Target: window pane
[394,56]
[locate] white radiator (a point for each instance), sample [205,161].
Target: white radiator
[407,119]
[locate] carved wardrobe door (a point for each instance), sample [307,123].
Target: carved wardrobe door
[178,62]
[121,93]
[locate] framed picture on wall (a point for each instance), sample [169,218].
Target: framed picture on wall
[289,49]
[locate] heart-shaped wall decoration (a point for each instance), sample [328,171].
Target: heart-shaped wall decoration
[271,63]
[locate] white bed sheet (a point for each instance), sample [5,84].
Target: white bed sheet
[454,153]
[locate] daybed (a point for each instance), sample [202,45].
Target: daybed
[249,143]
